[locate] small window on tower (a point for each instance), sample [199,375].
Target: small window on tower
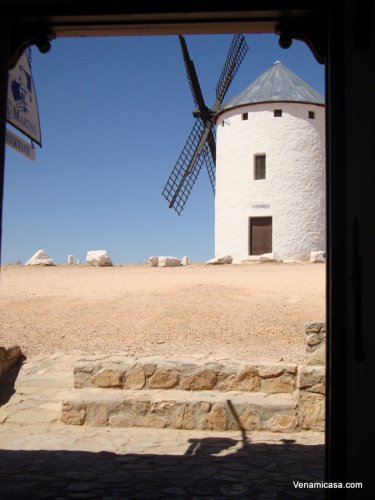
[259,166]
[245,116]
[311,115]
[277,112]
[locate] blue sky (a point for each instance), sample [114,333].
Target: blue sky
[115,113]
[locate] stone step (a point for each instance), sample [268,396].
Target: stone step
[178,409]
[156,373]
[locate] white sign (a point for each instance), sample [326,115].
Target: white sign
[22,106]
[23,147]
[261,205]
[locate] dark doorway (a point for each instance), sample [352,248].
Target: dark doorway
[260,235]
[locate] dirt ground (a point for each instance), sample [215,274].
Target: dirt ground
[223,312]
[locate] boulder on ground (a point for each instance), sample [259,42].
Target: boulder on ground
[226,259]
[40,258]
[169,262]
[318,256]
[185,261]
[269,257]
[154,261]
[164,261]
[98,258]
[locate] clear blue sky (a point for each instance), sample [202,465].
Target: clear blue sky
[115,113]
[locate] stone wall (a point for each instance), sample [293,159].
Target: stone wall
[315,340]
[8,357]
[162,390]
[311,381]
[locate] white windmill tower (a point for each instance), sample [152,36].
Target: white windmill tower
[270,169]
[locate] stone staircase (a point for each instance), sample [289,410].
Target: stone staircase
[184,394]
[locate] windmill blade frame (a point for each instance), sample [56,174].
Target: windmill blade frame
[237,52]
[200,146]
[192,77]
[180,182]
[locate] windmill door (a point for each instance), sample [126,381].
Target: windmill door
[260,235]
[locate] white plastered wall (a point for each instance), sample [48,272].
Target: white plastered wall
[293,193]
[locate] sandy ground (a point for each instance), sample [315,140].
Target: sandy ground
[233,311]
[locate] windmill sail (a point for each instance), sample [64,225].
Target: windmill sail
[200,148]
[237,52]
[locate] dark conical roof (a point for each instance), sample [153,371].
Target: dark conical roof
[278,83]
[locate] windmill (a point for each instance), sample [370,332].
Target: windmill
[200,148]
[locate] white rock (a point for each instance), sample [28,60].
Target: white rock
[98,258]
[78,261]
[269,257]
[70,259]
[226,259]
[318,256]
[164,261]
[185,261]
[154,261]
[169,262]
[40,258]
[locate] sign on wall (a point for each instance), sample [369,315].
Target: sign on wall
[22,106]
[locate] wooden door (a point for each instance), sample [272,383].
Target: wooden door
[260,235]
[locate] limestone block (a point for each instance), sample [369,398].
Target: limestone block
[313,339]
[185,261]
[171,411]
[246,380]
[100,416]
[217,418]
[226,259]
[108,378]
[72,415]
[266,371]
[319,256]
[154,261]
[149,369]
[82,379]
[98,258]
[311,411]
[128,413]
[188,422]
[277,385]
[317,357]
[70,259]
[120,421]
[163,379]
[250,420]
[312,379]
[132,413]
[154,421]
[277,378]
[169,262]
[194,416]
[135,378]
[40,258]
[315,327]
[282,423]
[203,380]
[269,257]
